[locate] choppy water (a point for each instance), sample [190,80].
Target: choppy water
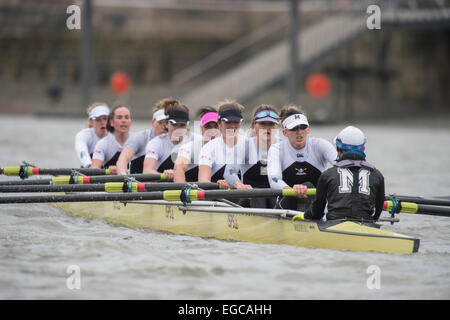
[38,243]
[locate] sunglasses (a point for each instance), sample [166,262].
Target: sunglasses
[266,113]
[301,127]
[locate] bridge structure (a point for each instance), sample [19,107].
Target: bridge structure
[336,30]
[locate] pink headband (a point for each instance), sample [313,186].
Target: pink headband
[208,117]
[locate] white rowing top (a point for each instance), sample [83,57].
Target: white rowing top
[287,166]
[161,147]
[138,142]
[107,148]
[253,155]
[216,154]
[85,141]
[191,150]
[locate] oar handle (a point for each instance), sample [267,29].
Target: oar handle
[291,192]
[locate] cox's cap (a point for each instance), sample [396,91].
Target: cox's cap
[98,112]
[294,121]
[159,115]
[350,138]
[178,117]
[230,115]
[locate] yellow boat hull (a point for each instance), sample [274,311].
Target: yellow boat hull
[240,226]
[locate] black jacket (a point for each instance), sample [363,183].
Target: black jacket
[353,188]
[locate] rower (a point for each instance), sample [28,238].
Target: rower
[108,149]
[254,169]
[87,138]
[229,148]
[352,188]
[186,165]
[161,152]
[298,160]
[133,153]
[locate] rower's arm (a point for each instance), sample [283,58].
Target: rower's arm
[274,173]
[204,173]
[124,159]
[81,149]
[99,155]
[150,166]
[179,169]
[96,163]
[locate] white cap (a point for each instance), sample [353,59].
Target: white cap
[350,138]
[159,115]
[99,111]
[294,121]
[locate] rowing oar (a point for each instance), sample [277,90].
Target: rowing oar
[185,195]
[87,179]
[126,186]
[26,171]
[394,206]
[420,200]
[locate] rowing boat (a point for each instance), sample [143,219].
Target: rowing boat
[140,205]
[214,219]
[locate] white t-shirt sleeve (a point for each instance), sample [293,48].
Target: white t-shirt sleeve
[327,150]
[99,150]
[206,154]
[274,173]
[152,149]
[137,142]
[185,151]
[81,147]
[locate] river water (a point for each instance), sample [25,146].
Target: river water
[40,246]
